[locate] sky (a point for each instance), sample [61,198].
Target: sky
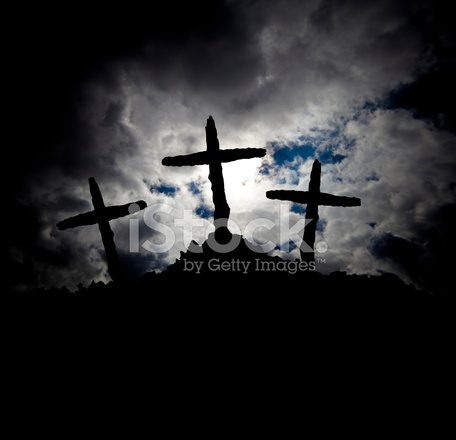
[107,92]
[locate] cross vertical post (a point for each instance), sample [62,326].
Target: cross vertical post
[312,212]
[222,210]
[107,236]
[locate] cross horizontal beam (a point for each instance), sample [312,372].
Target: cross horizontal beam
[94,217]
[219,156]
[316,198]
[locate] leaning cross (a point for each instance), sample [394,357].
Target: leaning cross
[312,198]
[102,215]
[214,157]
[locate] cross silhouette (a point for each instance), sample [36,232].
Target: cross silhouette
[214,157]
[313,198]
[102,215]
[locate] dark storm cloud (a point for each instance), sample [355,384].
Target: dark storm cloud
[113,114]
[204,46]
[428,259]
[405,253]
[431,96]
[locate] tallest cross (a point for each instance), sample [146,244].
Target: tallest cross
[214,157]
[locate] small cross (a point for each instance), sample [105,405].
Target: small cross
[214,157]
[102,215]
[312,198]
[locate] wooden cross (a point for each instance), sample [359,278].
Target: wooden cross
[214,157]
[312,198]
[102,215]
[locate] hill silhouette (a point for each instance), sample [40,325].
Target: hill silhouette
[180,314]
[243,270]
[242,278]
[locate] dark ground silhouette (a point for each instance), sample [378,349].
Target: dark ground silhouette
[246,285]
[332,334]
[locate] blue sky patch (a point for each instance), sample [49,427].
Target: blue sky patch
[287,246]
[321,225]
[329,145]
[298,208]
[328,156]
[204,211]
[168,189]
[372,177]
[194,187]
[287,154]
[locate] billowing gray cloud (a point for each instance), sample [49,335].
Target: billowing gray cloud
[341,81]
